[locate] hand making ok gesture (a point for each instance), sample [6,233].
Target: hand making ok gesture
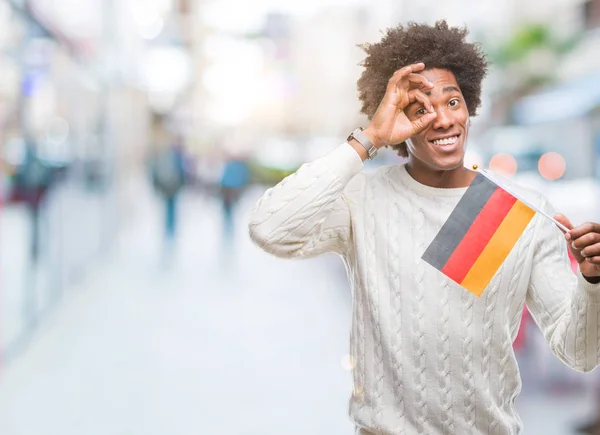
[390,125]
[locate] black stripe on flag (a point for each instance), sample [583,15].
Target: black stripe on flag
[459,222]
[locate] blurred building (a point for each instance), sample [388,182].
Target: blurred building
[565,115]
[79,84]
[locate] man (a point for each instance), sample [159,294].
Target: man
[32,181]
[234,179]
[169,177]
[429,356]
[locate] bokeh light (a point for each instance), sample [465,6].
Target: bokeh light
[57,130]
[503,163]
[348,362]
[552,166]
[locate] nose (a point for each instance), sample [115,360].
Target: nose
[443,120]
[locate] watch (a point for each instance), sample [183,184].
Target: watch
[362,139]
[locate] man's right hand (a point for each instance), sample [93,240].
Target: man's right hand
[390,125]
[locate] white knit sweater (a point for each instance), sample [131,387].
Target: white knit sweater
[429,357]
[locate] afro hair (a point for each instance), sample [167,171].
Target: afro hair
[438,46]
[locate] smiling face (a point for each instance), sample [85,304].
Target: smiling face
[441,146]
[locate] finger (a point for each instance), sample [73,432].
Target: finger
[417,81]
[564,220]
[594,260]
[586,240]
[589,227]
[421,124]
[418,95]
[393,90]
[591,251]
[402,73]
[414,67]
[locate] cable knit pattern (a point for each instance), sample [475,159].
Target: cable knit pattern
[419,326]
[488,344]
[372,286]
[581,337]
[444,363]
[396,316]
[429,357]
[360,380]
[467,366]
[514,315]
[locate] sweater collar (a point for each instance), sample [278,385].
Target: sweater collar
[425,190]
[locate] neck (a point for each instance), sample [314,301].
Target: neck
[445,179]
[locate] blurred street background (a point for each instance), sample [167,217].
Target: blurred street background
[135,138]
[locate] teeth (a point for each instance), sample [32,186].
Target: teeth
[447,141]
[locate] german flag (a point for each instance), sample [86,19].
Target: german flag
[479,234]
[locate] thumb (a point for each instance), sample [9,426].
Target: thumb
[420,124]
[564,220]
[567,223]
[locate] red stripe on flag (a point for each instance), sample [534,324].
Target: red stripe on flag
[479,234]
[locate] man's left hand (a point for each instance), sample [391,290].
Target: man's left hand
[584,243]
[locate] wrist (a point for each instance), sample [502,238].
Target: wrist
[359,138]
[360,150]
[370,133]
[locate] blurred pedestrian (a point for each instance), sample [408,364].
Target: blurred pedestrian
[32,180]
[169,176]
[234,180]
[428,356]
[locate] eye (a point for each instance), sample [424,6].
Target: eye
[421,111]
[454,102]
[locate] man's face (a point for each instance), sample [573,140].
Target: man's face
[441,146]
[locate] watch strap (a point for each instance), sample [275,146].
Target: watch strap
[362,139]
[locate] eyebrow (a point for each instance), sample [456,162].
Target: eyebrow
[446,90]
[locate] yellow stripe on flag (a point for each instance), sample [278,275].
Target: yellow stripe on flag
[498,248]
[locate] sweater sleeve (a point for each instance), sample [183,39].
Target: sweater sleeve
[306,214]
[564,305]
